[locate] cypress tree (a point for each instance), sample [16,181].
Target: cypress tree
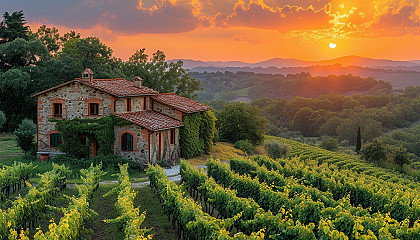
[359,141]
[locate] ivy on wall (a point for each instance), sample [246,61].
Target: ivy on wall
[101,129]
[197,134]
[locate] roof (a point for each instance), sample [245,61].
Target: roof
[151,120]
[180,103]
[118,87]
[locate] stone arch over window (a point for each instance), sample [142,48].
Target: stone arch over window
[58,108]
[54,138]
[127,140]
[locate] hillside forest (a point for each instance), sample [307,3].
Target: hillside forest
[297,106]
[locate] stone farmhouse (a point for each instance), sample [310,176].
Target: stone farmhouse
[155,119]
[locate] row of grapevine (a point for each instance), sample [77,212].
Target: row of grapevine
[345,162]
[401,204]
[78,211]
[192,223]
[253,217]
[25,211]
[13,177]
[129,216]
[342,220]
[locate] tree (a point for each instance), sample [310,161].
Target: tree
[239,121]
[277,150]
[139,56]
[330,144]
[374,151]
[303,121]
[13,27]
[25,135]
[15,99]
[20,53]
[52,39]
[160,75]
[2,119]
[401,157]
[359,140]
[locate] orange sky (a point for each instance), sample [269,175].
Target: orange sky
[244,30]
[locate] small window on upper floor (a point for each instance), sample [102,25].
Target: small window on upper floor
[93,108]
[57,110]
[85,75]
[128,104]
[145,103]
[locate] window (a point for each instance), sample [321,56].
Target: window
[127,142]
[128,104]
[145,103]
[55,139]
[85,75]
[172,136]
[57,109]
[93,108]
[115,106]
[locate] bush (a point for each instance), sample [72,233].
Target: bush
[277,150]
[330,144]
[374,151]
[2,119]
[245,146]
[25,134]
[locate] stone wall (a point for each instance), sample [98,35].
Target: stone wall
[166,110]
[75,99]
[136,104]
[168,152]
[140,147]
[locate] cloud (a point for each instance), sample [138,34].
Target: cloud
[257,14]
[127,17]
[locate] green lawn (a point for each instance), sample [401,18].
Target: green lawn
[8,146]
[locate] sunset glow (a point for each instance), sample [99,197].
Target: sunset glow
[247,30]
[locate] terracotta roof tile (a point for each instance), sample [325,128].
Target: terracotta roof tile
[117,86]
[120,87]
[151,120]
[181,103]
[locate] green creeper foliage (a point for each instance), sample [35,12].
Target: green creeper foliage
[197,134]
[25,134]
[101,129]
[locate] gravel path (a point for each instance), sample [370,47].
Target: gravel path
[172,173]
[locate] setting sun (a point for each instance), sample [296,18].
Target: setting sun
[332,45]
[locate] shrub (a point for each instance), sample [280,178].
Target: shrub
[2,119]
[245,145]
[276,150]
[330,144]
[25,134]
[374,151]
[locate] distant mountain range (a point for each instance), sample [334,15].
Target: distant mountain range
[291,62]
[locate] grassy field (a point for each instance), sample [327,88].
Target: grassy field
[8,146]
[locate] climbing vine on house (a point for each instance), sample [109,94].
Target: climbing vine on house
[197,134]
[101,129]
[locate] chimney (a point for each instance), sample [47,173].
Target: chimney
[87,75]
[137,81]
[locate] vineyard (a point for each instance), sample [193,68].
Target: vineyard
[314,194]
